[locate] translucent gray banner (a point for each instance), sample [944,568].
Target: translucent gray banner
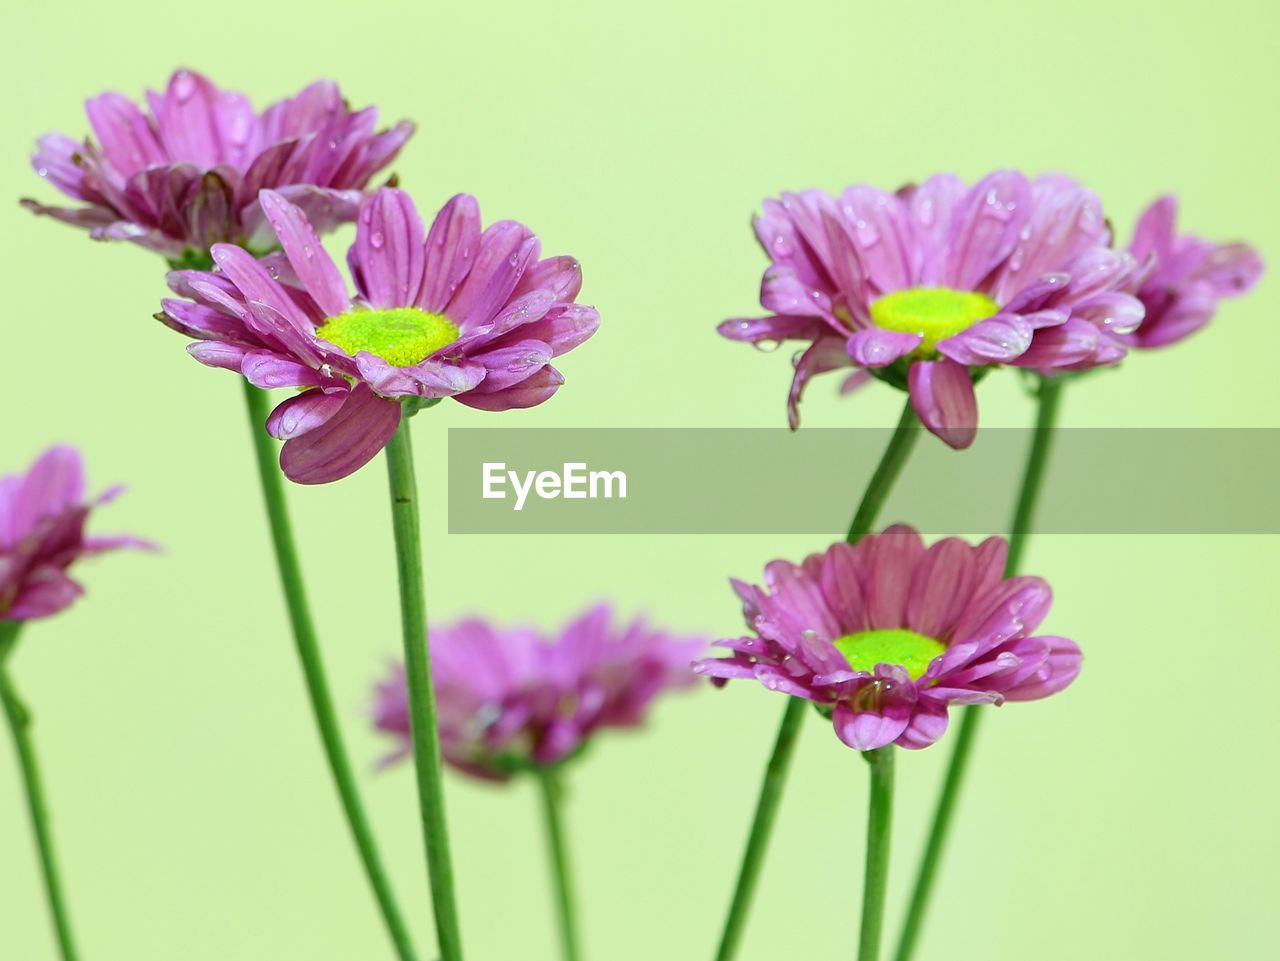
[773,481]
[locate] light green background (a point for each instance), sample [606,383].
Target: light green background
[1133,817]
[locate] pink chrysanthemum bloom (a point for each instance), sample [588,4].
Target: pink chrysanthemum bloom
[42,518]
[887,634]
[514,698]
[186,174]
[1182,278]
[446,312]
[928,287]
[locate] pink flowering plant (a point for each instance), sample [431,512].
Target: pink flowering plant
[451,311]
[43,515]
[183,171]
[886,634]
[890,641]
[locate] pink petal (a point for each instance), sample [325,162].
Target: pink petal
[876,347]
[390,249]
[310,261]
[943,398]
[346,442]
[305,412]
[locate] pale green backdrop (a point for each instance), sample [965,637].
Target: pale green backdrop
[1133,817]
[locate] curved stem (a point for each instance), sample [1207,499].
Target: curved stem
[552,794]
[20,728]
[422,698]
[887,471]
[1049,402]
[879,832]
[304,636]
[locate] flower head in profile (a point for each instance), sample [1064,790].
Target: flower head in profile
[887,634]
[928,287]
[514,698]
[42,521]
[446,311]
[184,173]
[1181,277]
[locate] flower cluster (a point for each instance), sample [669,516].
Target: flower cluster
[450,311]
[513,698]
[887,634]
[42,521]
[185,173]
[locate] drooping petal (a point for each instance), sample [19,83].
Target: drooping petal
[942,396]
[346,442]
[305,412]
[528,393]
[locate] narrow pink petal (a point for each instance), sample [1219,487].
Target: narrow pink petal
[943,398]
[876,347]
[528,393]
[511,364]
[782,292]
[343,444]
[882,234]
[305,412]
[940,587]
[506,250]
[390,249]
[452,245]
[310,261]
[986,227]
[1060,669]
[268,371]
[996,340]
[560,275]
[217,354]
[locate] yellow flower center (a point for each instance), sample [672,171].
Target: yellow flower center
[934,313]
[402,336]
[911,651]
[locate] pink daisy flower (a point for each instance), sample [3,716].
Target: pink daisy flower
[185,174]
[514,698]
[450,311]
[929,287]
[1182,277]
[42,519]
[888,634]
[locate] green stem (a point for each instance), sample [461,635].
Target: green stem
[879,831]
[552,794]
[20,728]
[304,636]
[886,472]
[1049,402]
[422,698]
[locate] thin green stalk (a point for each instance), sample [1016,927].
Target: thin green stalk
[891,464]
[1048,404]
[304,636]
[887,471]
[879,832]
[422,697]
[552,795]
[20,727]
